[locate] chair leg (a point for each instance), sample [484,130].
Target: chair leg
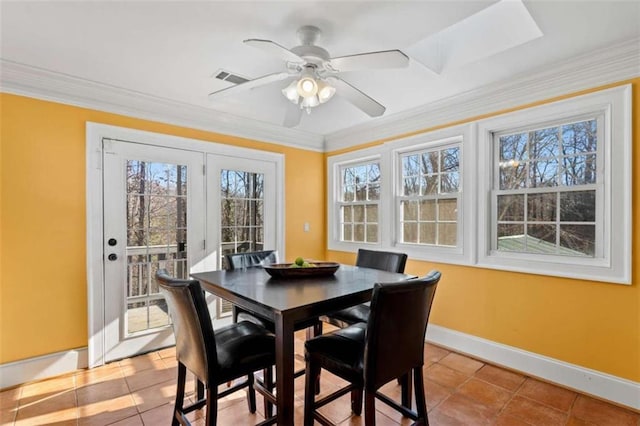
[405,383]
[212,406]
[199,390]
[251,393]
[268,383]
[177,410]
[369,408]
[311,374]
[421,401]
[315,331]
[356,401]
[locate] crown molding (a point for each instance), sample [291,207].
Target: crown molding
[612,64]
[25,80]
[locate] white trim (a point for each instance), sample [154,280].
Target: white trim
[95,133]
[604,66]
[612,388]
[42,367]
[25,80]
[615,264]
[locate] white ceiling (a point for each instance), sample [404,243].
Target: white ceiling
[171,50]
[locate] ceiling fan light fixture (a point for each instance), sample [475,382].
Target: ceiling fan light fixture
[310,102]
[307,87]
[325,91]
[291,92]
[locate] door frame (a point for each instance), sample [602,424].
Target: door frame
[95,133]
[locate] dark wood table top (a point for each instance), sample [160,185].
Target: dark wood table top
[256,286]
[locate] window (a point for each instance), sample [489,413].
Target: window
[242,212]
[406,196]
[558,185]
[546,190]
[360,196]
[430,196]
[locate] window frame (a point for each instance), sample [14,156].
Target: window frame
[335,164]
[461,136]
[612,259]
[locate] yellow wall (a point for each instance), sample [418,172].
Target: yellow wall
[591,324]
[43,285]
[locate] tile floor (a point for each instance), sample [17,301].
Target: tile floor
[460,391]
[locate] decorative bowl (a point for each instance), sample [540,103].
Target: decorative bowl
[285,270]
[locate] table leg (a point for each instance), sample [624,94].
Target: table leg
[284,370]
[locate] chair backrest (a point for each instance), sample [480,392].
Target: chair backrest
[383,260]
[250,259]
[195,338]
[396,328]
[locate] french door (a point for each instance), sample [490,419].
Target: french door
[152,205]
[153,219]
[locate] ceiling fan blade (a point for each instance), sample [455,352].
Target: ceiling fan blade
[248,85]
[368,105]
[274,49]
[292,116]
[372,60]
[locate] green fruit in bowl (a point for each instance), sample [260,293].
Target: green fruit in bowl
[299,261]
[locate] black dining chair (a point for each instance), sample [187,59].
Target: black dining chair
[214,356]
[382,260]
[368,355]
[385,261]
[252,259]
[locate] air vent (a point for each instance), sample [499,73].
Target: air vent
[230,77]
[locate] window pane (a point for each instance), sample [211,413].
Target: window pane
[513,147]
[544,143]
[578,238]
[410,232]
[448,210]
[411,186]
[429,185]
[427,233]
[372,213]
[410,210]
[429,163]
[447,234]
[372,233]
[450,160]
[541,239]
[510,208]
[541,207]
[578,206]
[428,210]
[579,170]
[347,214]
[513,175]
[410,165]
[580,137]
[510,237]
[347,232]
[358,232]
[543,173]
[358,213]
[374,173]
[449,182]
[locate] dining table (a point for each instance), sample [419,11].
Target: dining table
[289,303]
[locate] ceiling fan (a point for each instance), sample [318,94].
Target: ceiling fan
[315,74]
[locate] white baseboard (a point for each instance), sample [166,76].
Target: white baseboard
[615,389]
[28,370]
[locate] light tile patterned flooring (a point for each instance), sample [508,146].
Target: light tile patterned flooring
[460,391]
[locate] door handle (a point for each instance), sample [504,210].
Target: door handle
[112,257]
